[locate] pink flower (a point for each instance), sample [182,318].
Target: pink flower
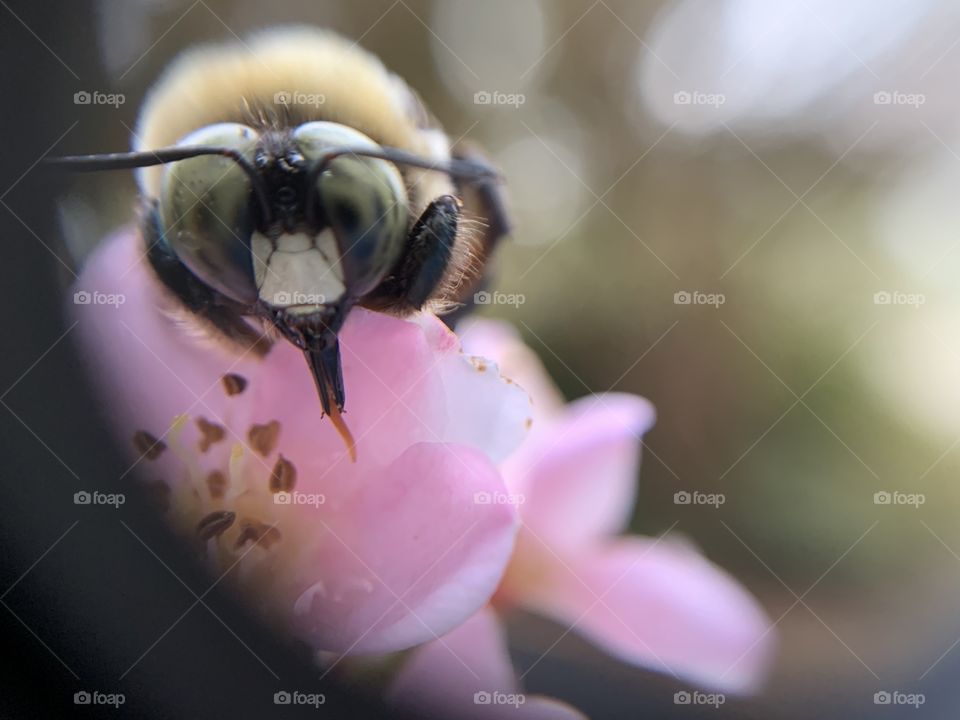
[372,556]
[656,603]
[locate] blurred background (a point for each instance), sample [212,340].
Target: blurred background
[743,210]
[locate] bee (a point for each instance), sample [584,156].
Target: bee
[287,180]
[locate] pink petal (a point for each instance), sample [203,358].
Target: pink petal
[500,342]
[406,554]
[578,476]
[662,606]
[452,676]
[493,415]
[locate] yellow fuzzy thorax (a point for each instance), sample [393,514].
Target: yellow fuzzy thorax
[239,82]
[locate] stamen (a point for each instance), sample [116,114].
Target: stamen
[263,438]
[211,433]
[283,477]
[234,384]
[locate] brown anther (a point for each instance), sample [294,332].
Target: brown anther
[216,484]
[283,477]
[210,433]
[258,532]
[529,423]
[263,438]
[215,524]
[147,445]
[233,384]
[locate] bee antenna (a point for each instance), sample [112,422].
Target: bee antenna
[456,168]
[149,158]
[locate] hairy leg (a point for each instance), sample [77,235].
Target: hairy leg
[423,265]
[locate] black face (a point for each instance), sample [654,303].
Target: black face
[285,174]
[357,205]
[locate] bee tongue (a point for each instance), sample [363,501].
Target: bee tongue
[324,361]
[337,420]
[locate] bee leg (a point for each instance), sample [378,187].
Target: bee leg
[223,314]
[421,269]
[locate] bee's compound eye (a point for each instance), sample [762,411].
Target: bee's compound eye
[364,201]
[206,212]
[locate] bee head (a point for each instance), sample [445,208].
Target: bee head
[313,224]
